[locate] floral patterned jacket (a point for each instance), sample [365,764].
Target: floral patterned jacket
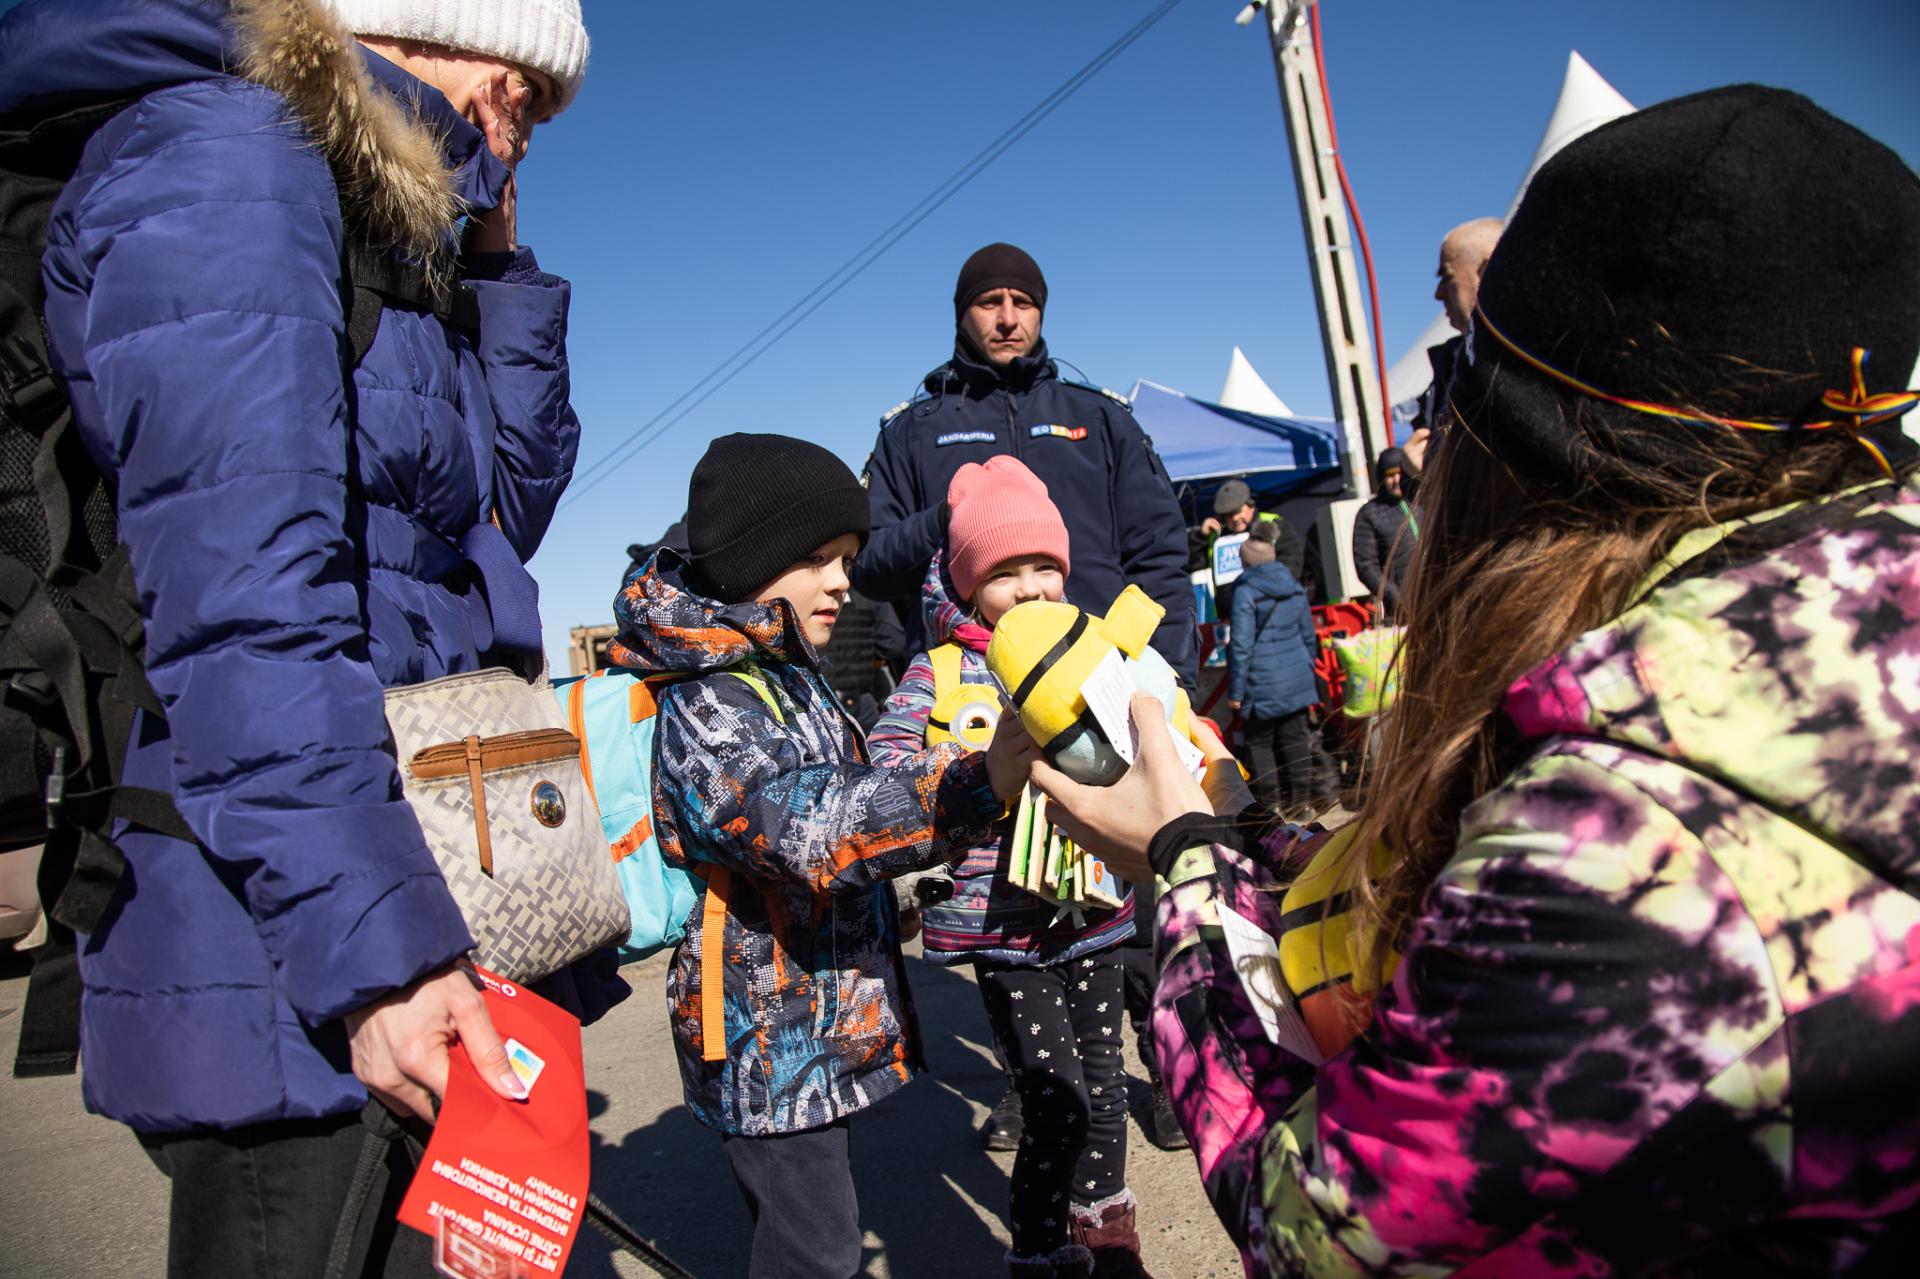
[818,1020]
[987,918]
[1660,1015]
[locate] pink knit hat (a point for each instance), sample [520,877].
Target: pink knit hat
[1000,510]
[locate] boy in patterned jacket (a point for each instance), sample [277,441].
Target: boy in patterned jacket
[794,1014]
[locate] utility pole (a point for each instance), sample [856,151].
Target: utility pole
[1351,371]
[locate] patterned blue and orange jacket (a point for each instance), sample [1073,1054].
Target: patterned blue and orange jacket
[819,1021]
[1660,1014]
[987,917]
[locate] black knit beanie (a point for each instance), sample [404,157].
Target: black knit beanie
[1722,253]
[759,503]
[999,266]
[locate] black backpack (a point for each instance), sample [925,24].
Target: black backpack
[72,643]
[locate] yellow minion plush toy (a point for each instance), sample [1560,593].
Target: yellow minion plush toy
[1042,652]
[964,713]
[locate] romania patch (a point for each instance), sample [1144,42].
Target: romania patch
[1062,432]
[964,437]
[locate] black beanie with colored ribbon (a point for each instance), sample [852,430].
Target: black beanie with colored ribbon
[1721,253]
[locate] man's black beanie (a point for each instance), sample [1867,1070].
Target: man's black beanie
[999,266]
[1722,252]
[759,503]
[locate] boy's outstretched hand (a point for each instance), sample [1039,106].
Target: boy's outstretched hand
[1010,757]
[1119,821]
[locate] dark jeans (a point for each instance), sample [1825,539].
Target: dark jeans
[265,1201]
[799,1188]
[1280,757]
[1061,1028]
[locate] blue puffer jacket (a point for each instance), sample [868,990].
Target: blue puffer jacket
[1271,644]
[1123,522]
[295,537]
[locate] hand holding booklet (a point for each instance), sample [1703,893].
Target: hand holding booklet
[1108,692]
[503,1184]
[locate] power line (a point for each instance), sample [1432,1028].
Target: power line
[850,270]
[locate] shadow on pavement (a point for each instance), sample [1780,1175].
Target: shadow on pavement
[918,1166]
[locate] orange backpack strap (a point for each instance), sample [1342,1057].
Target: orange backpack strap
[713,949]
[577,725]
[713,913]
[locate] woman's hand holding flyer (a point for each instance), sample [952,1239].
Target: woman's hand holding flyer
[1119,821]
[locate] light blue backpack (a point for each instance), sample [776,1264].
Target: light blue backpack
[615,714]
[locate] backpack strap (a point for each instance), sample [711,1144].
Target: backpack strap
[713,950]
[577,725]
[377,281]
[946,662]
[757,681]
[713,912]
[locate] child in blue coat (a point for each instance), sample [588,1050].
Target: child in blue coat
[1270,651]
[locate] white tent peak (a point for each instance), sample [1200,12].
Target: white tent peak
[1247,391]
[1586,102]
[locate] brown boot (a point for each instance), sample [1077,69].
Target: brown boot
[1107,1230]
[1070,1261]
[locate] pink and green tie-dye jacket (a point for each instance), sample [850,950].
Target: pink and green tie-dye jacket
[1660,1015]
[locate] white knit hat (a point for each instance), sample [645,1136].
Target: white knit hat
[546,35]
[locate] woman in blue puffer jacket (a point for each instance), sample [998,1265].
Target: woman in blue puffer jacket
[302,537]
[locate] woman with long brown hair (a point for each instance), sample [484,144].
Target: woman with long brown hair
[1635,960]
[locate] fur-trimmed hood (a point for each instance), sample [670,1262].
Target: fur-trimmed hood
[406,164]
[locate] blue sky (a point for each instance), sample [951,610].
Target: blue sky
[722,159]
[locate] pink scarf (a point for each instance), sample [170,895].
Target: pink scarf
[973,635]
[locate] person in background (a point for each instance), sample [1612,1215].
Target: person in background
[1052,986]
[1234,511]
[1385,530]
[638,553]
[1644,846]
[853,661]
[299,527]
[1001,394]
[1464,254]
[1270,679]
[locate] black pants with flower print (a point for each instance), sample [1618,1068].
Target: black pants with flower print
[1061,1030]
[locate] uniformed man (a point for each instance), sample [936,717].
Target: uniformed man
[1000,393]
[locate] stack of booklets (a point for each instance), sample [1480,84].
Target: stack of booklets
[1054,868]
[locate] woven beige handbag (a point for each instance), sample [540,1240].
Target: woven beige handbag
[494,777]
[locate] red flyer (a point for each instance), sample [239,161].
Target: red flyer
[503,1183]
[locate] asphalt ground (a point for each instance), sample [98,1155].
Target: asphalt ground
[85,1201]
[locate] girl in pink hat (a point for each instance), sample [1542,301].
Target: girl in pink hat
[1052,988]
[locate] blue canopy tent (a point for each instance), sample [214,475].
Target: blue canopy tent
[1204,445]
